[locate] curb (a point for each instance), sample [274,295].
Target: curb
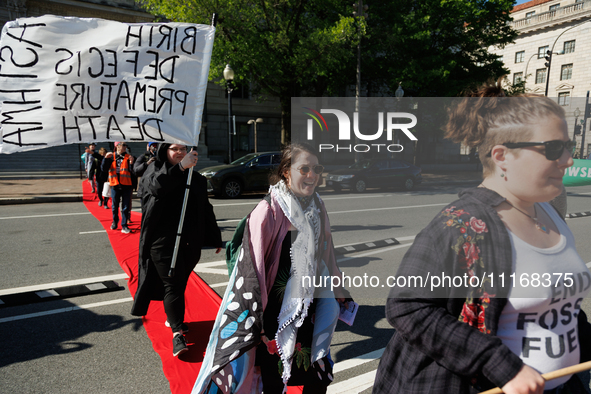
[578,215]
[366,246]
[32,297]
[40,199]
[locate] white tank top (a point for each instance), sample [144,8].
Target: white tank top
[539,322]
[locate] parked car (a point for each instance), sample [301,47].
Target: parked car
[249,173]
[375,173]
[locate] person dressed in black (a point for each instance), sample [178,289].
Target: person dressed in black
[142,163]
[164,185]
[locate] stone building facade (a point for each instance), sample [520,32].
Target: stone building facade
[563,27]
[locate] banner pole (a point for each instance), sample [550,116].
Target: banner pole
[177,242]
[180,228]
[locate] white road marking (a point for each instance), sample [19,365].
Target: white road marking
[54,285]
[399,239]
[92,232]
[223,284]
[44,216]
[355,197]
[357,361]
[387,208]
[353,385]
[376,251]
[237,203]
[63,310]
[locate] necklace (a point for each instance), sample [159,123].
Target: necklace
[540,226]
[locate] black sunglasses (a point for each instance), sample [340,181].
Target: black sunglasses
[552,149]
[318,169]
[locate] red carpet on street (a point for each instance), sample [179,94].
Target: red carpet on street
[201,303]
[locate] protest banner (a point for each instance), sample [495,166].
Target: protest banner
[70,80]
[579,174]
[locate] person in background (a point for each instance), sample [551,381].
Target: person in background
[142,163]
[164,184]
[119,167]
[470,339]
[99,175]
[89,165]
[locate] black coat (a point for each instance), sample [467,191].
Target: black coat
[164,189]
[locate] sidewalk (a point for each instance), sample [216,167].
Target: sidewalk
[40,189]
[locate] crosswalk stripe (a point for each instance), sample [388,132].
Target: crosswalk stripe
[353,385]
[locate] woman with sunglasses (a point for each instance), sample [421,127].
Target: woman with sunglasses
[517,314]
[289,324]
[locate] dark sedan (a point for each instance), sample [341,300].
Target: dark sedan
[375,173]
[249,173]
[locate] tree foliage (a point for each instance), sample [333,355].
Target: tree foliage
[282,47]
[288,48]
[436,48]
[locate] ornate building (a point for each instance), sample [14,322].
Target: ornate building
[564,28]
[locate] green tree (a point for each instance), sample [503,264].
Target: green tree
[436,48]
[284,48]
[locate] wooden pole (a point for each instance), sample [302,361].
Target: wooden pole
[552,375]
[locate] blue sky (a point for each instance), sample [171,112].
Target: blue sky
[521,2]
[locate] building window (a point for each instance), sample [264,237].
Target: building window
[566,72]
[519,56]
[530,14]
[542,51]
[564,98]
[569,46]
[579,1]
[541,75]
[554,7]
[517,77]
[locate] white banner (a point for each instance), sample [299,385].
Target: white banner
[69,80]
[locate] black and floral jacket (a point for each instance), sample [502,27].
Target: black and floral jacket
[447,343]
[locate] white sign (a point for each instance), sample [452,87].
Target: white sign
[70,80]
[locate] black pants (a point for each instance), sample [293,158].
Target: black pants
[99,189]
[174,287]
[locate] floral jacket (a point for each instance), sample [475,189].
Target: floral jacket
[447,343]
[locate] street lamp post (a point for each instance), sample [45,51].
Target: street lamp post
[585,116]
[551,50]
[359,12]
[577,113]
[254,122]
[229,77]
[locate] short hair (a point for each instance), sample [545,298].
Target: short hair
[487,118]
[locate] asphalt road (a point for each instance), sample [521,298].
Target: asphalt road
[101,348]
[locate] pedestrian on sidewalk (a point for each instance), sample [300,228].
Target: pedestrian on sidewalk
[497,330]
[119,167]
[164,185]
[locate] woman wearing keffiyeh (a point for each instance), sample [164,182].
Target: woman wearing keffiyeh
[271,330]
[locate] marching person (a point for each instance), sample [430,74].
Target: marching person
[142,163]
[119,168]
[502,332]
[164,184]
[288,327]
